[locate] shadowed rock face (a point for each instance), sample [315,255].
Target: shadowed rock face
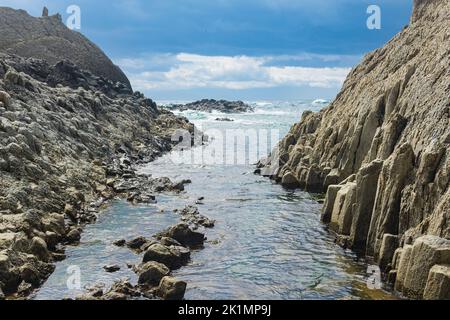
[47,38]
[382,148]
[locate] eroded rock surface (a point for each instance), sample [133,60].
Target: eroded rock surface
[210,105]
[382,150]
[69,141]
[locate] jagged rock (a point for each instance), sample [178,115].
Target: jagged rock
[438,283]
[50,40]
[191,215]
[120,243]
[151,273]
[389,128]
[45,12]
[171,289]
[210,105]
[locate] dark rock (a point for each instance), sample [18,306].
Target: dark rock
[120,243]
[111,268]
[214,105]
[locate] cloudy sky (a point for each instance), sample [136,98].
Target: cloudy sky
[233,49]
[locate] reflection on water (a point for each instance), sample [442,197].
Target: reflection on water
[268,242]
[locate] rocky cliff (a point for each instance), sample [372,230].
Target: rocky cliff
[68,140]
[381,152]
[48,39]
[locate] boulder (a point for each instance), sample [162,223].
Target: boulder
[74,236]
[5,98]
[427,251]
[172,257]
[171,289]
[151,273]
[111,268]
[289,180]
[184,235]
[38,247]
[438,283]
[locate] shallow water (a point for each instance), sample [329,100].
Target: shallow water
[268,242]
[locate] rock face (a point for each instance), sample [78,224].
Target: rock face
[48,39]
[68,141]
[210,105]
[382,151]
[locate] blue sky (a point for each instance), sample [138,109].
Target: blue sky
[233,49]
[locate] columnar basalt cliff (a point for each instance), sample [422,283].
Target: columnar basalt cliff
[68,140]
[381,151]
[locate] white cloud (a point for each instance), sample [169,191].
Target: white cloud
[189,71]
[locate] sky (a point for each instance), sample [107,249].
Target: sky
[233,49]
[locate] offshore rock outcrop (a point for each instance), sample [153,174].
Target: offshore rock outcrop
[210,105]
[48,39]
[68,142]
[381,151]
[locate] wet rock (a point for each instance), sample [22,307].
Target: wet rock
[191,215]
[171,289]
[210,105]
[111,268]
[120,243]
[184,235]
[73,237]
[172,257]
[137,243]
[151,273]
[224,120]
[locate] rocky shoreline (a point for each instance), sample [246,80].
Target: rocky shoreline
[69,142]
[380,151]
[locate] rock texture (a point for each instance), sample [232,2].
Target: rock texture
[48,39]
[210,105]
[382,151]
[68,142]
